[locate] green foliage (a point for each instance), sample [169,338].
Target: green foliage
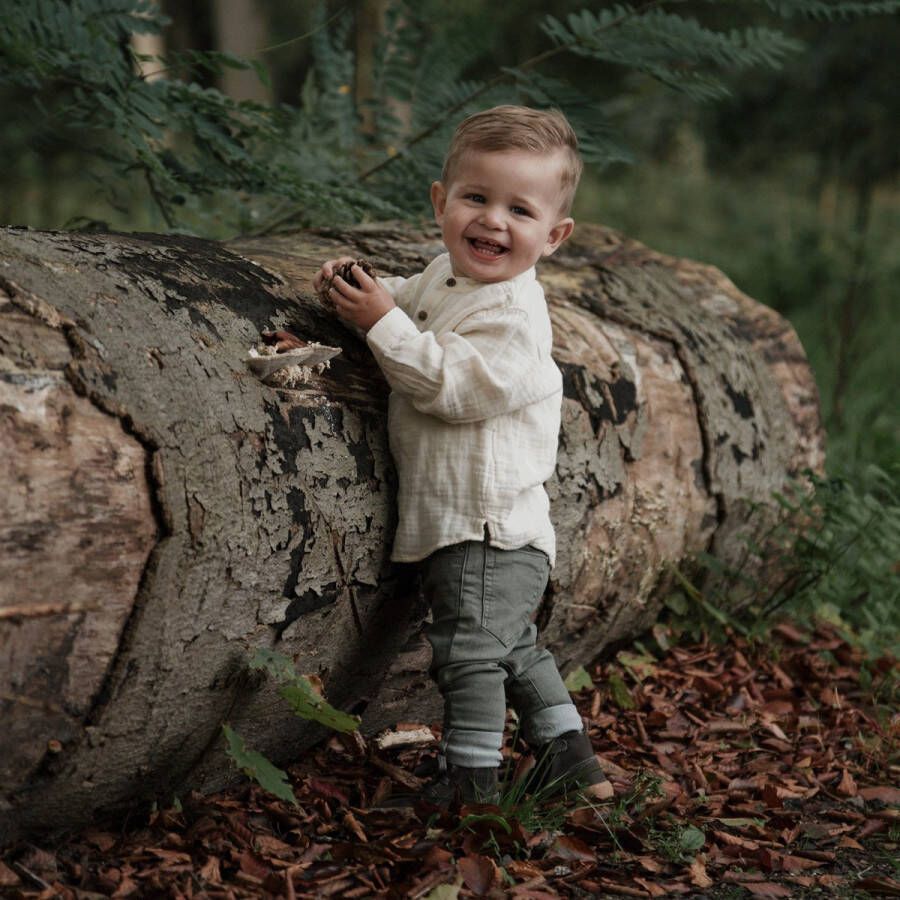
[621,696]
[185,142]
[833,554]
[254,765]
[578,680]
[214,165]
[829,10]
[679,52]
[74,61]
[678,844]
[304,698]
[844,557]
[400,154]
[646,787]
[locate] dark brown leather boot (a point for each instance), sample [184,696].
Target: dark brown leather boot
[463,784]
[566,764]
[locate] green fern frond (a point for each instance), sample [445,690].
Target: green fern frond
[670,48]
[599,141]
[830,10]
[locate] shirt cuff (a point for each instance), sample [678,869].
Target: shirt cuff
[392,327]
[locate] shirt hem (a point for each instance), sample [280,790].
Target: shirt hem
[475,536]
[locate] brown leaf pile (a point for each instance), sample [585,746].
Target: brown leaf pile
[738,770]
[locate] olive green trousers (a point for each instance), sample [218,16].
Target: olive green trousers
[484,652]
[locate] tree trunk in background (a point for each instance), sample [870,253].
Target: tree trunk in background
[164,512]
[369,26]
[240,28]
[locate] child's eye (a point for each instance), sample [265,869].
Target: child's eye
[520,211]
[475,198]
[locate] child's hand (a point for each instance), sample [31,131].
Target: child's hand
[362,306]
[327,270]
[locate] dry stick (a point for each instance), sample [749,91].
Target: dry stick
[38,610]
[401,776]
[290,893]
[29,876]
[159,200]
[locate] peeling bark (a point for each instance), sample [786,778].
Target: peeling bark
[164,512]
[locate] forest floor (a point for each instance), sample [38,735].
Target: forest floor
[744,769]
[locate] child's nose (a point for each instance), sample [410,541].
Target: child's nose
[492,217]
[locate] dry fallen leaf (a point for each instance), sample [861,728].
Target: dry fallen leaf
[768,889]
[765,776]
[799,864]
[8,878]
[699,876]
[211,870]
[567,847]
[885,793]
[882,885]
[847,786]
[654,890]
[478,872]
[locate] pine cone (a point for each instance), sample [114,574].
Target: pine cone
[344,271]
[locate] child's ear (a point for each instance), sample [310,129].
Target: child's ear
[558,233]
[438,200]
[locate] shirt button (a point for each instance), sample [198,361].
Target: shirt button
[422,315]
[450,282]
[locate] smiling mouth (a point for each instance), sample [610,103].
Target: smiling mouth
[487,249]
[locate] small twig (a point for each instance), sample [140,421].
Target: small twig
[289,885]
[401,776]
[32,704]
[159,199]
[45,609]
[28,875]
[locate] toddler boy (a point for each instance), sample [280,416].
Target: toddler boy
[473,421]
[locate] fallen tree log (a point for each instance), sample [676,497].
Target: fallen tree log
[164,512]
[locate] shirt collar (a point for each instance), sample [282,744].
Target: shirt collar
[464,283]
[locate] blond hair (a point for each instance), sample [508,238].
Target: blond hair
[519,128]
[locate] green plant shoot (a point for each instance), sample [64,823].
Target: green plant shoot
[578,680]
[256,766]
[301,693]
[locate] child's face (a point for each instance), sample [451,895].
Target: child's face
[500,212]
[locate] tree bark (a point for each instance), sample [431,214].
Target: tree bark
[164,512]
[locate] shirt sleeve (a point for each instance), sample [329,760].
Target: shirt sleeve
[487,366]
[401,289]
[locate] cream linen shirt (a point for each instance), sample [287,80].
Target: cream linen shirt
[474,410]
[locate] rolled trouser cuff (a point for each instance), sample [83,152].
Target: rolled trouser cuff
[550,722]
[475,749]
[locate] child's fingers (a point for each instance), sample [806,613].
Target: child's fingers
[342,301]
[322,275]
[333,264]
[346,289]
[366,282]
[327,270]
[345,308]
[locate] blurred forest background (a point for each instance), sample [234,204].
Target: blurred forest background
[761,137]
